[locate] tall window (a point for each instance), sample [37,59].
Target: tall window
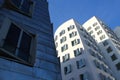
[105,43]
[67,69]
[71,27]
[84,76]
[73,34]
[80,63]
[64,47]
[19,44]
[118,66]
[109,49]
[75,42]
[62,32]
[63,39]
[24,7]
[66,57]
[78,51]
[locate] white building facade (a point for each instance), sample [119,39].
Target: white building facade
[107,41]
[80,57]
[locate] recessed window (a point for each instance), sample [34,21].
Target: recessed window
[75,42]
[22,6]
[71,27]
[19,45]
[78,51]
[80,63]
[99,32]
[102,37]
[63,39]
[56,37]
[89,28]
[62,32]
[118,66]
[56,44]
[66,57]
[109,49]
[97,28]
[84,76]
[113,57]
[64,47]
[67,69]
[105,43]
[72,34]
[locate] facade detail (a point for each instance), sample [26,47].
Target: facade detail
[117,31]
[108,42]
[80,56]
[27,50]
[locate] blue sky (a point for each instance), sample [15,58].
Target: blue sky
[81,10]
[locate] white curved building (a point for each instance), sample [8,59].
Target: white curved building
[79,54]
[107,41]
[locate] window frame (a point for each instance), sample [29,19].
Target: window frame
[10,5]
[10,56]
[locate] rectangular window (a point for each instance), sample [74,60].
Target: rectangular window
[102,37]
[62,32]
[113,57]
[84,76]
[72,34]
[71,27]
[99,32]
[118,66]
[63,39]
[64,47]
[77,52]
[67,69]
[56,37]
[105,43]
[109,49]
[19,45]
[66,57]
[97,27]
[81,63]
[23,6]
[89,28]
[75,42]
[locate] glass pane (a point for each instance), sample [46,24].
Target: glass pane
[11,40]
[16,2]
[25,6]
[24,49]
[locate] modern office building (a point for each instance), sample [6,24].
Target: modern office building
[107,41]
[80,57]
[117,31]
[27,50]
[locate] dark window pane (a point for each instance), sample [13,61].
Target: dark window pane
[16,2]
[113,57]
[109,49]
[11,40]
[24,49]
[26,6]
[118,66]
